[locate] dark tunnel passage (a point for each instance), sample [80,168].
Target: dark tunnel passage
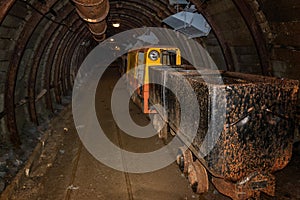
[44,42]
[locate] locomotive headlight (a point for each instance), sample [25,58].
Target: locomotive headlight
[153,55]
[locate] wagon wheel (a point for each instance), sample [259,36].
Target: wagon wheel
[184,159]
[198,177]
[255,196]
[163,133]
[159,124]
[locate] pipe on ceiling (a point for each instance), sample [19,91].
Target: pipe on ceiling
[94,12]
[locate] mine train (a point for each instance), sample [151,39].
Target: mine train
[258,132]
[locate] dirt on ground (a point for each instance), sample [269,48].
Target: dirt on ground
[66,170]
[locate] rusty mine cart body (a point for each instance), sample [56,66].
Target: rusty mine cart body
[257,130]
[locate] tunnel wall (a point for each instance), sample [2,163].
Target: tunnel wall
[284,20]
[37,39]
[42,44]
[257,36]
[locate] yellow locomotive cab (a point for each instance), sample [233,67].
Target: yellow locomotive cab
[138,63]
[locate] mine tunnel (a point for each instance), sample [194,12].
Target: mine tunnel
[43,44]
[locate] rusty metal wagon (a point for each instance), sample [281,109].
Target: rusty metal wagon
[256,137]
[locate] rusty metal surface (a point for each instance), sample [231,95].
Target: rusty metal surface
[128,21]
[64,64]
[58,59]
[36,63]
[158,11]
[75,63]
[159,6]
[184,159]
[258,131]
[5,5]
[66,59]
[145,16]
[218,33]
[257,35]
[67,77]
[98,30]
[250,187]
[94,13]
[159,125]
[57,66]
[2,114]
[13,68]
[49,62]
[136,16]
[194,170]
[198,177]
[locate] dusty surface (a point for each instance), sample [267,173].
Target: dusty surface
[67,171]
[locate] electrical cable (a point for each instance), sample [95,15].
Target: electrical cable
[45,16]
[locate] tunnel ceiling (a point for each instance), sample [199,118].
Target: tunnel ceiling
[43,42]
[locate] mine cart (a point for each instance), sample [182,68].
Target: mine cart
[138,63]
[256,134]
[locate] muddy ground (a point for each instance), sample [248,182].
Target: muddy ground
[66,170]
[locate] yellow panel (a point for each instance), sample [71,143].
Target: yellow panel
[157,62]
[132,60]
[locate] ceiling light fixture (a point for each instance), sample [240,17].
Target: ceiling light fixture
[116,25]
